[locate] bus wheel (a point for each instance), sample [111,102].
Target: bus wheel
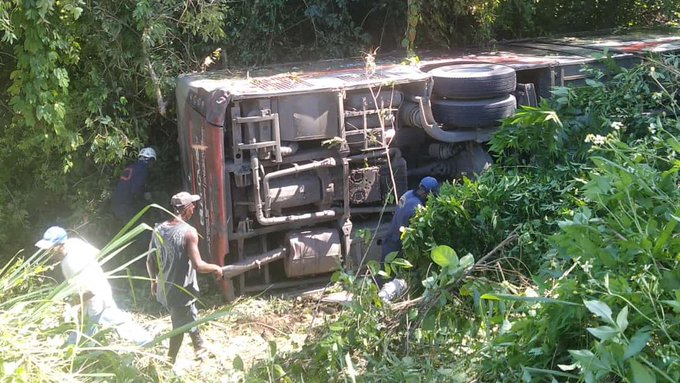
[473,81]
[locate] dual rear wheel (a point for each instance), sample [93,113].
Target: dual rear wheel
[473,95]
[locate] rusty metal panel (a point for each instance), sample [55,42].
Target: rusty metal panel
[295,191]
[280,83]
[202,150]
[332,75]
[312,252]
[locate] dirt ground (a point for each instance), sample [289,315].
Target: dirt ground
[246,329]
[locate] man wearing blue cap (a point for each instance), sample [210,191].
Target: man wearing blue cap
[408,203]
[82,271]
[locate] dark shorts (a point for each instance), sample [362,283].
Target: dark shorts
[182,315]
[125,211]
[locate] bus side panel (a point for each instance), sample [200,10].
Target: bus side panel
[202,149]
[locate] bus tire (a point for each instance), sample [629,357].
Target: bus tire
[473,113]
[473,81]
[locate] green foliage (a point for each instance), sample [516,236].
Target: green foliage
[588,182]
[84,85]
[643,97]
[578,15]
[533,134]
[454,23]
[625,242]
[289,30]
[451,269]
[473,217]
[516,18]
[615,245]
[447,24]
[412,19]
[88,83]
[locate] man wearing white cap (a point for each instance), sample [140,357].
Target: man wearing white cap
[82,271]
[172,269]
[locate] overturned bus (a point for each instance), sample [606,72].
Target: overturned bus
[296,163]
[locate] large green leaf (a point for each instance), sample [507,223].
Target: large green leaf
[640,373]
[588,360]
[444,256]
[510,297]
[674,304]
[622,319]
[600,309]
[637,343]
[467,261]
[603,332]
[238,363]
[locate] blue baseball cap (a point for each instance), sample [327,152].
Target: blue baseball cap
[53,236]
[429,184]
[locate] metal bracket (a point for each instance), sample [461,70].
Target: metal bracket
[245,225]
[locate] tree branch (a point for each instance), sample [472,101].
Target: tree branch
[426,303]
[152,73]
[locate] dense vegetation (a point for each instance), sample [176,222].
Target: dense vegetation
[87,83]
[576,227]
[573,275]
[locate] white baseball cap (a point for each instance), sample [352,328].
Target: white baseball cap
[183,199]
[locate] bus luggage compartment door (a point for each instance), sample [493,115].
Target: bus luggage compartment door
[312,252]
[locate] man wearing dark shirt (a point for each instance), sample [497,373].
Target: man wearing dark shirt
[130,195]
[172,268]
[408,203]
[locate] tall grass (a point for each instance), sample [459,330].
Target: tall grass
[34,330]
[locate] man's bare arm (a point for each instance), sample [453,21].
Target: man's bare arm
[152,265]
[195,257]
